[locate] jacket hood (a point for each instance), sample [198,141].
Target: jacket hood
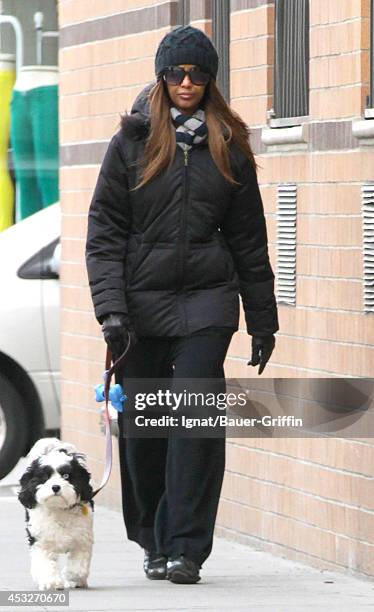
[136,124]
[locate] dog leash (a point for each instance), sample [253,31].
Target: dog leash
[109,371]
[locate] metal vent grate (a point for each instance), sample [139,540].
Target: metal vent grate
[286,243]
[367,191]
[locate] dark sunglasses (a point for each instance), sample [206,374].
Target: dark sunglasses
[174,75]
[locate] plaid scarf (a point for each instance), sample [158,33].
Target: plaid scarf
[189,129]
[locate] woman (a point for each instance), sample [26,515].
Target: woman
[176,231]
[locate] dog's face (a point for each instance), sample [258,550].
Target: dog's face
[57,480]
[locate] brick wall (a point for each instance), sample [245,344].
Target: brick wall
[99,78]
[305,499]
[327,333]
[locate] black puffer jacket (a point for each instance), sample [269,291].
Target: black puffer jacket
[175,254]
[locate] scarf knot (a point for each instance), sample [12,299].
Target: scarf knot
[189,129]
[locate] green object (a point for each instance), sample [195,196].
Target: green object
[34,140]
[7,78]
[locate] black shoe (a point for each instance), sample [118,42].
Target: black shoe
[182,570]
[154,565]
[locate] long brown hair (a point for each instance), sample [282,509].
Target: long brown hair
[223,123]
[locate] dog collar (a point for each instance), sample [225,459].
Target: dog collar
[83,507]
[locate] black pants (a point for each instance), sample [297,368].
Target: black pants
[171,485]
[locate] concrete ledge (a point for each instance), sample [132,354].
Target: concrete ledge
[295,137]
[363,129]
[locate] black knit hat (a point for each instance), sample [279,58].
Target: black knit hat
[186,45]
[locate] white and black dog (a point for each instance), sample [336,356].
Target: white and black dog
[57,495]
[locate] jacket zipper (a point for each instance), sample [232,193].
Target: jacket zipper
[183,231]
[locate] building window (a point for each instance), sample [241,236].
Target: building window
[183,16]
[221,41]
[291,58]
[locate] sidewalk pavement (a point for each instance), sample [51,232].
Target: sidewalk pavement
[234,577]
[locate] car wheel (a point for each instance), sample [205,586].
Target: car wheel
[13,426]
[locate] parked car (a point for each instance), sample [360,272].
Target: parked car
[29,334]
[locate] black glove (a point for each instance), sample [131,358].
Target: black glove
[262,348]
[116,329]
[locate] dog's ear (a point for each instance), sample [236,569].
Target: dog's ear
[86,489]
[28,487]
[82,479]
[82,460]
[86,493]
